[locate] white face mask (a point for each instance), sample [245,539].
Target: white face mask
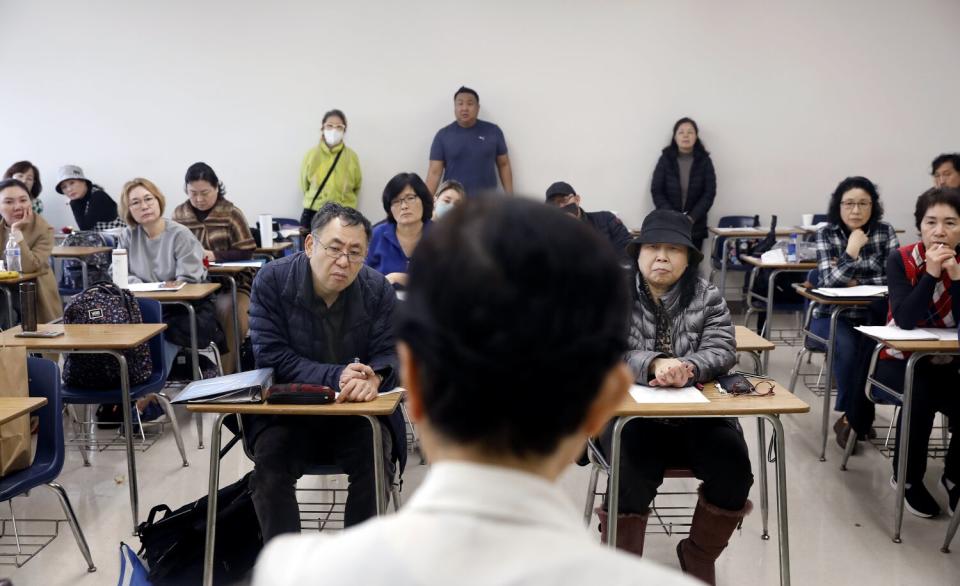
[442,207]
[332,137]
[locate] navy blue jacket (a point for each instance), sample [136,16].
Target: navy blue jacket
[700,192]
[608,224]
[287,334]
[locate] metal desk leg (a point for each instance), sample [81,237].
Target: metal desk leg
[782,523]
[828,387]
[212,488]
[903,442]
[195,358]
[766,323]
[236,322]
[128,434]
[379,485]
[764,498]
[613,479]
[951,531]
[84,277]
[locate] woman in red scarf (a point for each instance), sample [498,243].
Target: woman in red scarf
[924,282]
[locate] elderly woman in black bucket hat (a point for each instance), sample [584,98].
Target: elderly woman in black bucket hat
[680,334]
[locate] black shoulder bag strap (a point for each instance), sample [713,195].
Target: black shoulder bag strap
[325,179]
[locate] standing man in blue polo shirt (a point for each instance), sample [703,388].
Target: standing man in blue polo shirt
[469,150]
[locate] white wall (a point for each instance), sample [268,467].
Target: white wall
[791,97]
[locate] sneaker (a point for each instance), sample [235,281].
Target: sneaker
[953,494]
[918,500]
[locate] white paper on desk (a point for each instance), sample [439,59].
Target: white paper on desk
[393,391]
[943,334]
[645,394]
[773,257]
[895,333]
[857,291]
[239,263]
[158,286]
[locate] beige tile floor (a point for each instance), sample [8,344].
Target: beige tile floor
[840,522]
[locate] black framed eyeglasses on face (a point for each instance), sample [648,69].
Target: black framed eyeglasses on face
[335,252]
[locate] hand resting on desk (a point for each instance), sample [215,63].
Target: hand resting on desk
[670,372]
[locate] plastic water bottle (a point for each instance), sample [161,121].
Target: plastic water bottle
[119,267]
[792,249]
[11,254]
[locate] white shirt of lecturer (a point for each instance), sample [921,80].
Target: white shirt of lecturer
[468,524]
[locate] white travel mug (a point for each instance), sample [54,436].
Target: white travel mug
[266,230]
[120,270]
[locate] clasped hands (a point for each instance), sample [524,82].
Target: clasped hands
[670,372]
[358,384]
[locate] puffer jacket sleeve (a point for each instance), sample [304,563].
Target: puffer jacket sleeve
[641,355]
[717,352]
[271,345]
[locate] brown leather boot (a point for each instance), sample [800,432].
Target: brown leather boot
[631,530]
[709,534]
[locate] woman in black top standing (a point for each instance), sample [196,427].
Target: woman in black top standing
[92,208]
[684,180]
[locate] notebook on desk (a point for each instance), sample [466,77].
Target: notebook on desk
[243,387]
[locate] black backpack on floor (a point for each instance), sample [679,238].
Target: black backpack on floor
[173,545]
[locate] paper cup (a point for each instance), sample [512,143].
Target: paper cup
[806,220]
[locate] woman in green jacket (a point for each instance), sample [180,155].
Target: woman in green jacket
[330,170]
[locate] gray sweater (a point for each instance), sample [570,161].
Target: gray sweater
[175,255]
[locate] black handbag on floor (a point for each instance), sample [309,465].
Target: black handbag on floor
[173,544]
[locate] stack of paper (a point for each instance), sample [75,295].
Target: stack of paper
[858,291]
[895,333]
[644,394]
[158,286]
[239,263]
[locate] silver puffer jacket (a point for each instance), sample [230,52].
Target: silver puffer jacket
[702,334]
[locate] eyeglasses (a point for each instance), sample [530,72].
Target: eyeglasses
[763,388]
[335,252]
[339,127]
[849,205]
[140,203]
[404,200]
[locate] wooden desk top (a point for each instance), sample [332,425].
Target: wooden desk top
[827,300]
[189,292]
[85,337]
[277,247]
[937,346]
[750,341]
[77,251]
[788,266]
[24,277]
[382,405]
[13,407]
[758,232]
[783,401]
[229,270]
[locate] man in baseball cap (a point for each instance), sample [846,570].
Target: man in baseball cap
[562,195]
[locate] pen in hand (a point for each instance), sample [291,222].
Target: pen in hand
[356,360]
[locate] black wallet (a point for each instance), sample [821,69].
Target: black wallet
[735,384]
[300,394]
